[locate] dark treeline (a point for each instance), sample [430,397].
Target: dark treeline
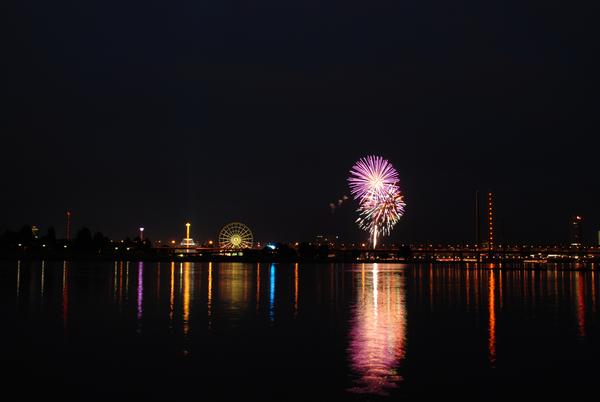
[27,244]
[85,243]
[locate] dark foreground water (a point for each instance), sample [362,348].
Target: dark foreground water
[256,332]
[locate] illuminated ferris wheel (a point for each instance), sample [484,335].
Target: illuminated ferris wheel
[235,235]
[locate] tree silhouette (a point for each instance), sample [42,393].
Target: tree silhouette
[307,251]
[83,240]
[50,238]
[99,241]
[323,252]
[25,235]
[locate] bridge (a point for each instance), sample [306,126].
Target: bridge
[416,252]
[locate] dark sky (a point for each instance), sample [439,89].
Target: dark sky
[152,113]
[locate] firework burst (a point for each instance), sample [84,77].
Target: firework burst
[373,182]
[382,213]
[371,176]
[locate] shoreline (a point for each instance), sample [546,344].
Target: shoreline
[513,264]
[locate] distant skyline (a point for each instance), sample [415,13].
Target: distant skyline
[157,114]
[202,235]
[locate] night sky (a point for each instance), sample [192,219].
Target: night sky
[152,113]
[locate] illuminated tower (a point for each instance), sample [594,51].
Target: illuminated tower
[576,233]
[188,241]
[476,217]
[490,220]
[142,234]
[68,228]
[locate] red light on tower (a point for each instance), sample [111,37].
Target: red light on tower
[490,219]
[68,228]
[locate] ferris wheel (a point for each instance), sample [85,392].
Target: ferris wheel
[235,235]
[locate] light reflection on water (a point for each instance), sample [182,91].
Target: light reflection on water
[272,293]
[187,289]
[140,290]
[492,319]
[18,281]
[65,294]
[257,286]
[378,328]
[172,295]
[233,286]
[296,280]
[580,304]
[381,300]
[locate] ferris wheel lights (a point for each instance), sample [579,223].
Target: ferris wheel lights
[235,235]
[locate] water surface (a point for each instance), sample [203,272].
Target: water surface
[236,331]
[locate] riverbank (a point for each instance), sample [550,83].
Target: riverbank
[505,264]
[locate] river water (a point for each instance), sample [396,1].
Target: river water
[82,331]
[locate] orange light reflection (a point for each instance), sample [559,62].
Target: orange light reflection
[492,320]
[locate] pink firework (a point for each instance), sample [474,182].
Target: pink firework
[373,183]
[371,176]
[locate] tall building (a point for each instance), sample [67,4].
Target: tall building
[599,237]
[576,232]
